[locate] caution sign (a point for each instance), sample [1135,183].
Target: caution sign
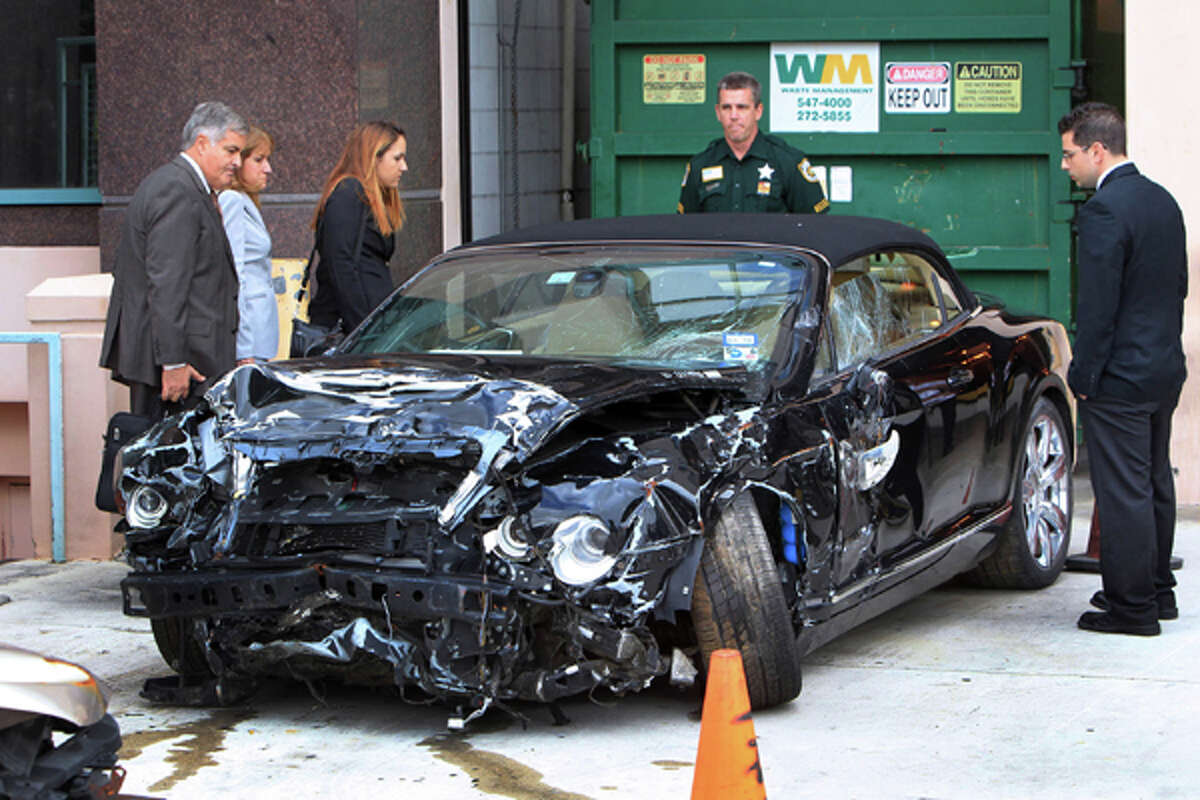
[987,87]
[673,79]
[921,87]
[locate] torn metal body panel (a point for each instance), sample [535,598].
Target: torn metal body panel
[510,480]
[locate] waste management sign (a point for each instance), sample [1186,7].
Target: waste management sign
[825,86]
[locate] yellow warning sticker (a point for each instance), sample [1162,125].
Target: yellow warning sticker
[676,78]
[987,87]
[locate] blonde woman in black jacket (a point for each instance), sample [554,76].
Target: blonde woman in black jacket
[358,214]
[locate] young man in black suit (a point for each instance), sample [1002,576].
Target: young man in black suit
[172,316]
[1128,366]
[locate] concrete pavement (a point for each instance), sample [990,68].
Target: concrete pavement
[961,693]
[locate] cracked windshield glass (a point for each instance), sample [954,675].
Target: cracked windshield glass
[662,306]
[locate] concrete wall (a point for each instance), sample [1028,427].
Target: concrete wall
[522,161]
[1160,40]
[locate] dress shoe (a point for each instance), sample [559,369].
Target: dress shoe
[1164,611]
[1103,622]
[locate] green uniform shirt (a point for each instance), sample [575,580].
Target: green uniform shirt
[773,176]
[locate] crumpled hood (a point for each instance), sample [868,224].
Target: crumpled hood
[371,405]
[374,409]
[276,414]
[265,409]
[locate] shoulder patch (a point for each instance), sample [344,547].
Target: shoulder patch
[807,171]
[686,173]
[679,208]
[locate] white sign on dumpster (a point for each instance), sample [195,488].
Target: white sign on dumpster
[825,86]
[917,87]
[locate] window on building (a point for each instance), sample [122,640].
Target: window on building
[48,95]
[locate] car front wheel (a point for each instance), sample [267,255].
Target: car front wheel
[178,646]
[740,604]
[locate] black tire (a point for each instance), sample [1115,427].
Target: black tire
[739,604]
[1027,558]
[178,646]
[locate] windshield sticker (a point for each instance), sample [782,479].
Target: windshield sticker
[740,346]
[560,277]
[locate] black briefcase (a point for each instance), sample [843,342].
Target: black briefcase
[123,428]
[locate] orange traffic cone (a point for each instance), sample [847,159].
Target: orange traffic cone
[727,765]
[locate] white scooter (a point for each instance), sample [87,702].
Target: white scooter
[57,741]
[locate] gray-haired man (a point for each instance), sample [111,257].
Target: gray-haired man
[172,316]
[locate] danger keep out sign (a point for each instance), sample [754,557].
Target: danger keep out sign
[919,87]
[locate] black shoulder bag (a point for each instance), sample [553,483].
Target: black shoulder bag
[122,429]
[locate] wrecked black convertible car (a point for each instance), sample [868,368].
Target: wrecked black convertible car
[581,456]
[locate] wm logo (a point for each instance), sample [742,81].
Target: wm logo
[824,68]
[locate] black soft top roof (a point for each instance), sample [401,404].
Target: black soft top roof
[838,238]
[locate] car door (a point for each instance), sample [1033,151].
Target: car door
[901,366]
[949,371]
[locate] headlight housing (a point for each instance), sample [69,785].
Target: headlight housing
[146,508]
[508,541]
[579,555]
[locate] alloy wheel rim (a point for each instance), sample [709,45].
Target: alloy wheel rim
[1045,491]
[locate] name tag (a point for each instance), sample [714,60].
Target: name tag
[712,173]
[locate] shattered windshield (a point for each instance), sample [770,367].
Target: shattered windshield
[667,306]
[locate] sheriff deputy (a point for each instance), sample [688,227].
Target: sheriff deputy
[748,170]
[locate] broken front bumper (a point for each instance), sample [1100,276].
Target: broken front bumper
[476,637]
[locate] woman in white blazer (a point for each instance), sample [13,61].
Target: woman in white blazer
[258,312]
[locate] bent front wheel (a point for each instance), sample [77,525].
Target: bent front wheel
[740,604]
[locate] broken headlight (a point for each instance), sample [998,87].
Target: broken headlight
[146,508]
[508,541]
[580,552]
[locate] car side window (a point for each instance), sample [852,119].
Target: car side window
[881,302]
[950,302]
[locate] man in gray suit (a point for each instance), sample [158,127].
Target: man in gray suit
[172,317]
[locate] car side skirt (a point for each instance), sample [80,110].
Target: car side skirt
[905,580]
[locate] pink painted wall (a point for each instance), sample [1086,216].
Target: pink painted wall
[1161,39]
[23,269]
[75,307]
[24,458]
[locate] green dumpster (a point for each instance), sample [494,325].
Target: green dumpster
[940,114]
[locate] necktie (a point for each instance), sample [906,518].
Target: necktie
[216,203]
